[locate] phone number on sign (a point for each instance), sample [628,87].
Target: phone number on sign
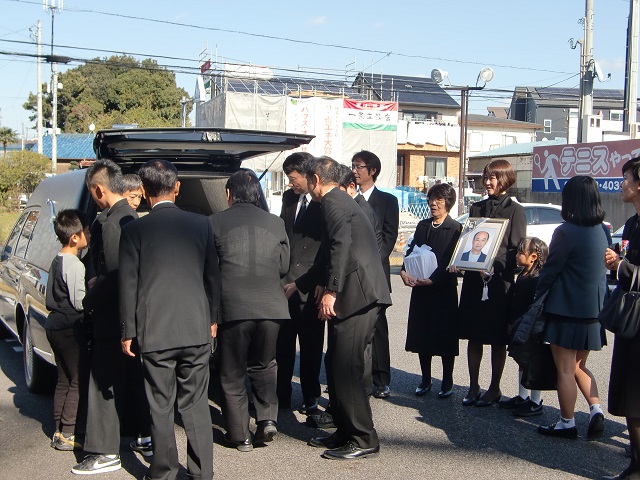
[609,185]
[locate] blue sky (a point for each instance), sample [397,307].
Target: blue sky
[525,43]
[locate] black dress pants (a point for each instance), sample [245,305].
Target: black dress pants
[248,348]
[305,325]
[346,360]
[179,375]
[105,396]
[381,358]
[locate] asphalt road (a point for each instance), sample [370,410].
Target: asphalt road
[420,437]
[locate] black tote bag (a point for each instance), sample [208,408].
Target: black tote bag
[621,312]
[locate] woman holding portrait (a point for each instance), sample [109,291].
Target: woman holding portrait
[484,307]
[624,386]
[432,326]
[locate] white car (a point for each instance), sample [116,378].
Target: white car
[542,220]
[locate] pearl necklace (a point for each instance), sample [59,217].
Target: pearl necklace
[433,224]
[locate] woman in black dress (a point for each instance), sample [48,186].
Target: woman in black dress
[624,386]
[432,326]
[484,322]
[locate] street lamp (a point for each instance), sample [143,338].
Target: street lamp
[183,102]
[485,76]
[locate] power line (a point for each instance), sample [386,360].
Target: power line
[297,41]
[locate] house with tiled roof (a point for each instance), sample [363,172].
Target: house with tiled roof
[72,148]
[557,110]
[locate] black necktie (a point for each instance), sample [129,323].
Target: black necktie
[303,207]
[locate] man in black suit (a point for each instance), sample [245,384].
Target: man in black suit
[169,291]
[253,254]
[355,290]
[108,367]
[366,167]
[302,221]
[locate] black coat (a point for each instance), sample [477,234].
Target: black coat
[386,207]
[624,386]
[101,302]
[253,253]
[348,262]
[432,327]
[486,322]
[169,279]
[304,238]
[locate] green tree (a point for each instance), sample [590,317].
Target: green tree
[21,172]
[7,136]
[119,89]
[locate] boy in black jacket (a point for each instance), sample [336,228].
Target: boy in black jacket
[65,291]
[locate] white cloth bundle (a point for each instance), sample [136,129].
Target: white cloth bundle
[421,263]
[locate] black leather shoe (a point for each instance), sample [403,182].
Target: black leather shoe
[487,402]
[330,442]
[596,427]
[309,408]
[245,446]
[423,389]
[469,400]
[321,420]
[551,431]
[349,451]
[265,431]
[382,391]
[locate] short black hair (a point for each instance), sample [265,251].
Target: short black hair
[69,222]
[327,169]
[370,159]
[632,166]
[347,177]
[158,177]
[581,204]
[131,182]
[107,173]
[244,187]
[296,162]
[445,192]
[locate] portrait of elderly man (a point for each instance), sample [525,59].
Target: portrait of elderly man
[480,239]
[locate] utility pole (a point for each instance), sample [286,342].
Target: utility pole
[586,71]
[39,96]
[52,6]
[631,69]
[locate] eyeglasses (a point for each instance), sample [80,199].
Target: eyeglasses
[357,167]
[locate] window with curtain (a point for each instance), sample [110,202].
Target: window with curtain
[435,167]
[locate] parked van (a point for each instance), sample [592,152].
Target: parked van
[204,159]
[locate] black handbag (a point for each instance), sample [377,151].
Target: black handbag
[621,312]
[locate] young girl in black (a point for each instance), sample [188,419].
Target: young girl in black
[531,255]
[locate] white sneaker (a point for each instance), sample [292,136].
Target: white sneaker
[97,464]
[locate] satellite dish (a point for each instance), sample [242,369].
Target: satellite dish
[598,72]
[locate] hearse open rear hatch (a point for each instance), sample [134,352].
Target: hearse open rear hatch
[192,150]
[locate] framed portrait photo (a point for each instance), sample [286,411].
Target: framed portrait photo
[478,243]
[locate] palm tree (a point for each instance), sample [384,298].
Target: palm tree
[7,136]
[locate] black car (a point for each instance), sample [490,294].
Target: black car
[204,159]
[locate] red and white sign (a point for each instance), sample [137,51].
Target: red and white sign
[370,115]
